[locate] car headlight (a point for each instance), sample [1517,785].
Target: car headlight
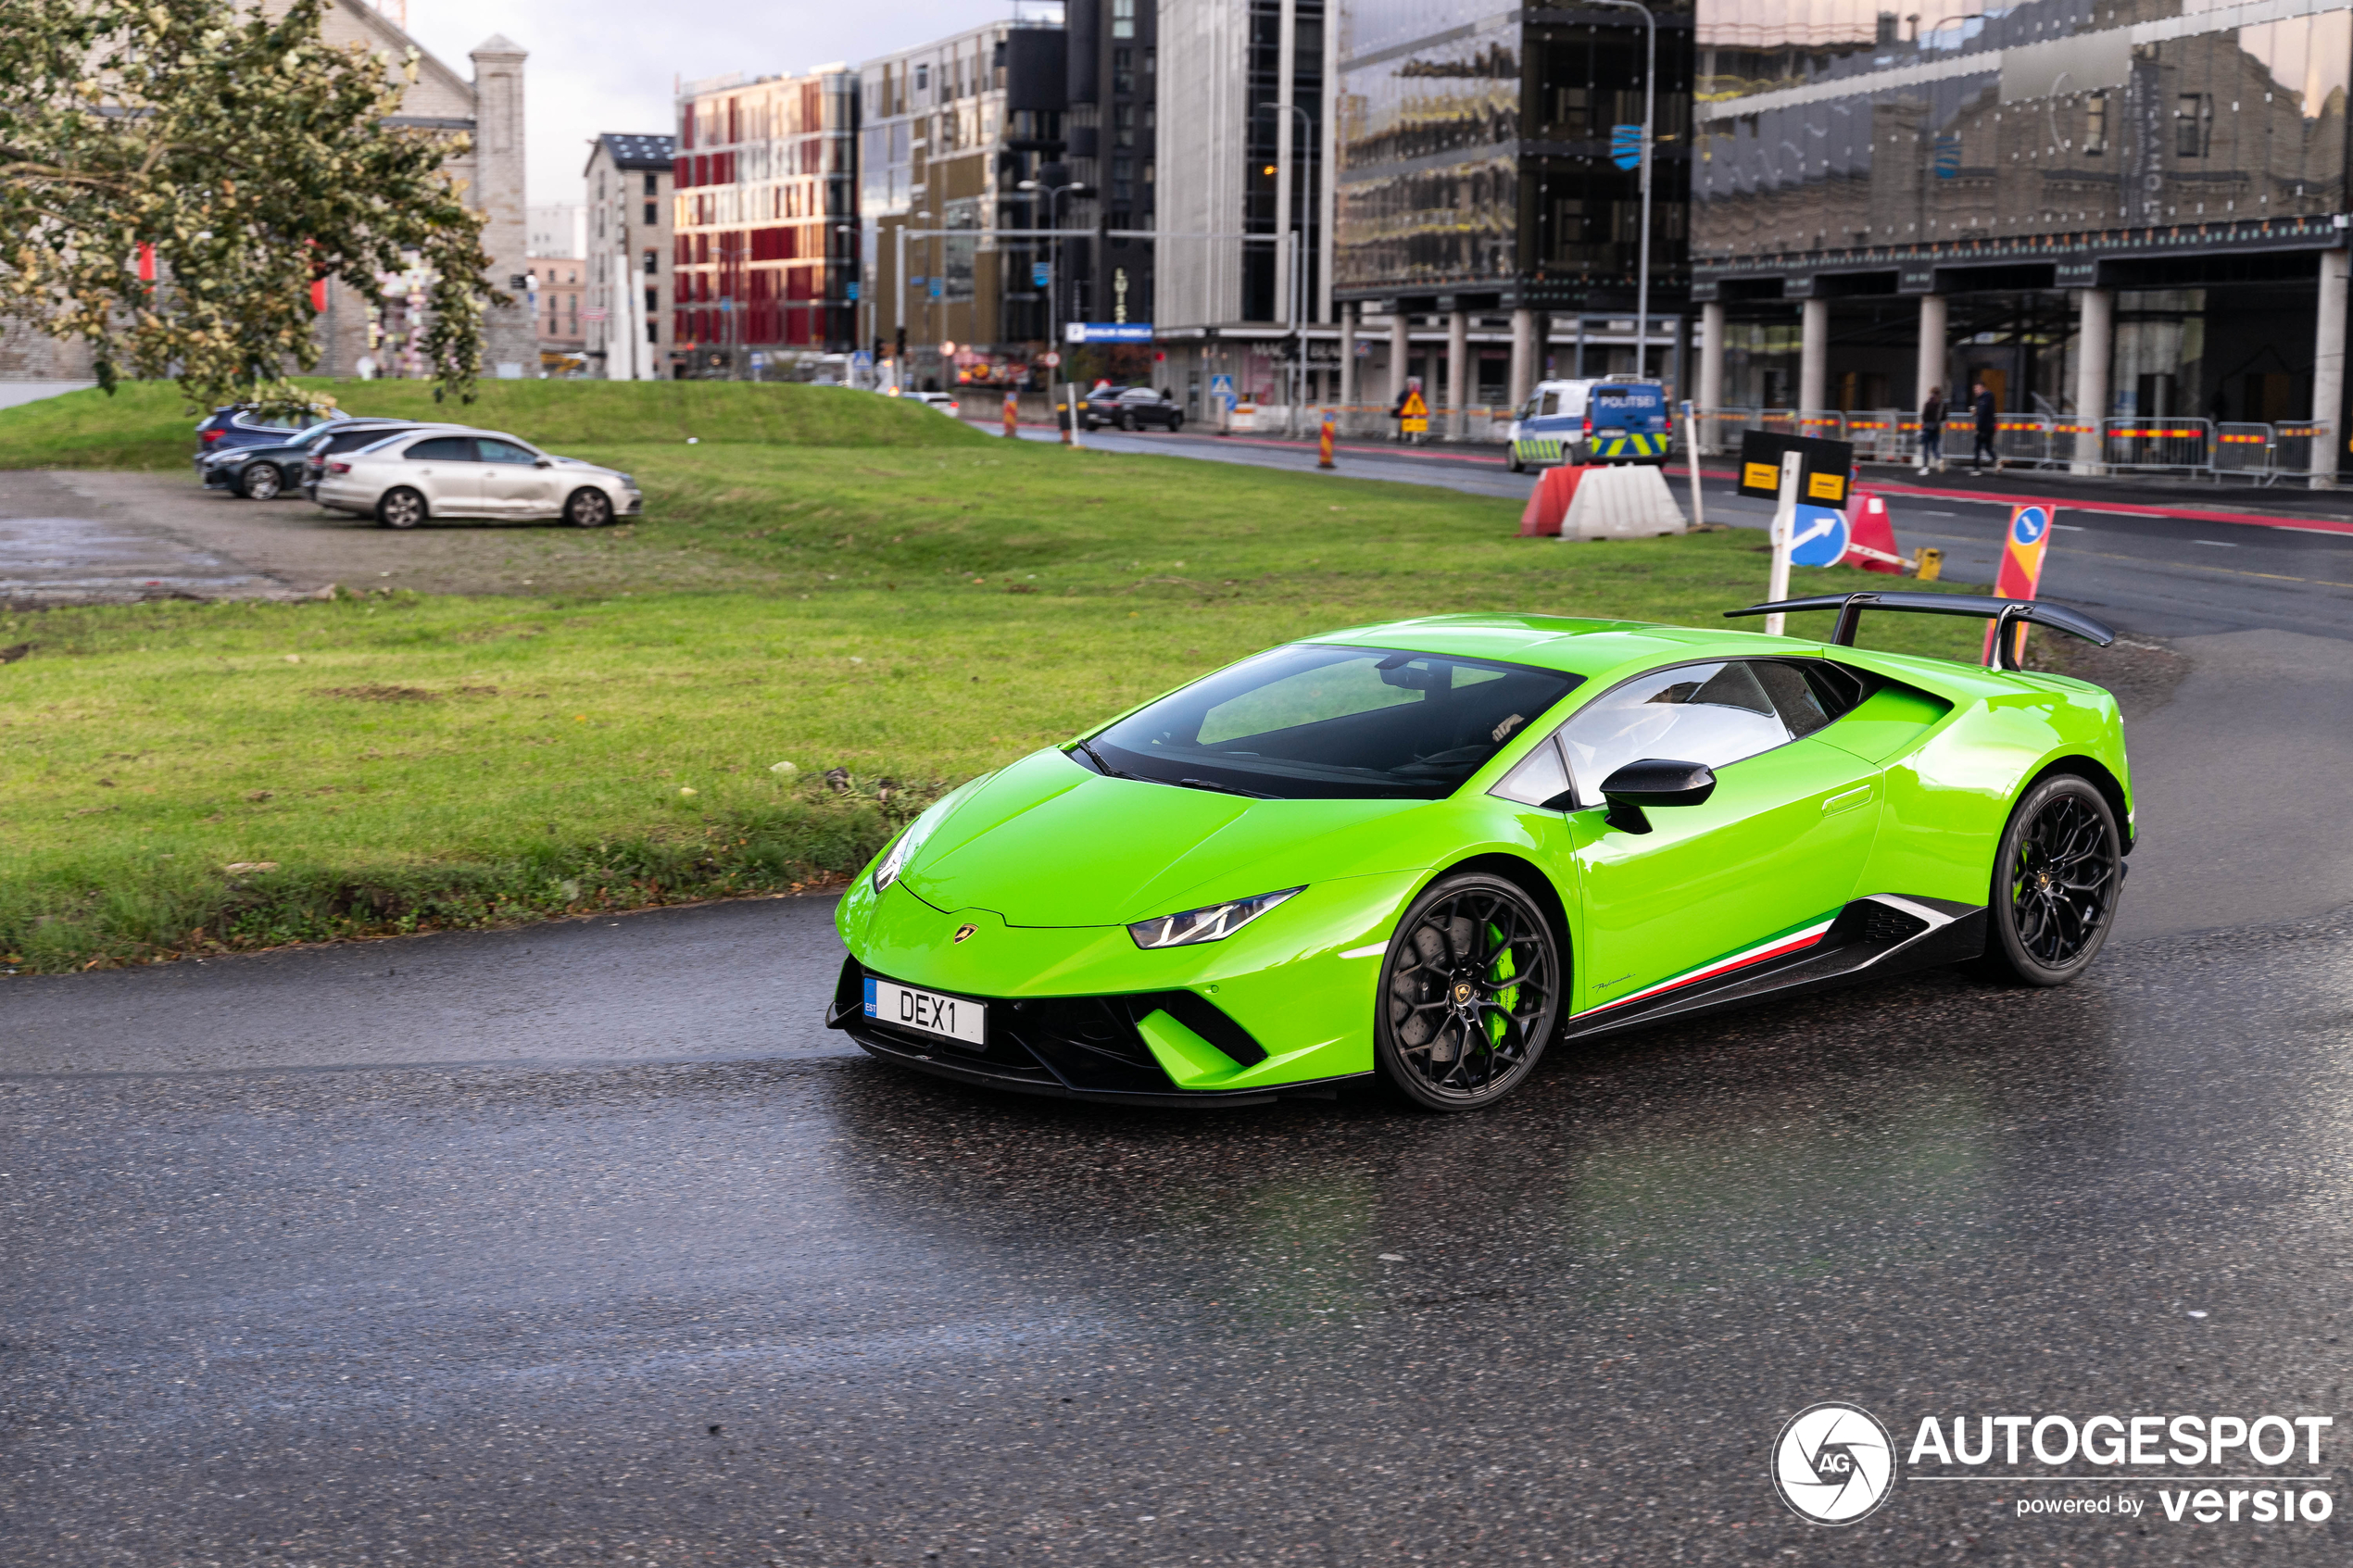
[1212,922]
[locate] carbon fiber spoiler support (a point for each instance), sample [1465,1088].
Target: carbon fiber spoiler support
[2004,613]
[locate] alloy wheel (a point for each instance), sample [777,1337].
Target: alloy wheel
[261,482]
[1469,994]
[401,509]
[588,508]
[2062,880]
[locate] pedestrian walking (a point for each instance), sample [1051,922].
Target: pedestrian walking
[1986,420]
[1932,432]
[1397,409]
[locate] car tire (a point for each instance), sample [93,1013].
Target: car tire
[1513,464]
[588,507]
[2057,875]
[401,507]
[1128,422]
[1449,1033]
[1175,423]
[261,481]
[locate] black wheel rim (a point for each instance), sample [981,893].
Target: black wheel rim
[2062,880]
[1471,983]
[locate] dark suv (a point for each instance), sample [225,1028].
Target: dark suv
[268,469]
[1131,409]
[241,424]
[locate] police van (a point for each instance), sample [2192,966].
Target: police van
[1619,419]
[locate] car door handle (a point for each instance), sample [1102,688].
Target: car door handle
[1846,800]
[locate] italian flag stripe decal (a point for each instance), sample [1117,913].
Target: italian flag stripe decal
[1788,942]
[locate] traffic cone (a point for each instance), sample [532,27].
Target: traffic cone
[1871,535]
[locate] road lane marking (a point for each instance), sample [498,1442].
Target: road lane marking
[2214,544]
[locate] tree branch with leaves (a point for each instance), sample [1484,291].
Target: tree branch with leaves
[175,175]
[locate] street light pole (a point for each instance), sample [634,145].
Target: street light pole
[1054,194]
[1650,100]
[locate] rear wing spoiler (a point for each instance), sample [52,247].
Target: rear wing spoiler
[2004,613]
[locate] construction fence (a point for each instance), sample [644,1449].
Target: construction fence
[2259,454]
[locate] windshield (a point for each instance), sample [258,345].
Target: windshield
[1317,723]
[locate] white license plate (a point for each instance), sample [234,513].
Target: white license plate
[953,1018]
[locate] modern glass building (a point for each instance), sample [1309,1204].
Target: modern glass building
[1474,170]
[2099,210]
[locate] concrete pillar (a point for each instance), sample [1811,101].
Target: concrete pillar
[1711,356]
[1401,355]
[1928,367]
[1525,362]
[2328,369]
[1813,357]
[1458,377]
[1543,346]
[1348,354]
[2095,337]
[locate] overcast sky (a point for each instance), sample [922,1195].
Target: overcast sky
[608,65]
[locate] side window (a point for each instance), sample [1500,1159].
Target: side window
[1710,714]
[506,452]
[1540,777]
[1549,407]
[1794,699]
[443,449]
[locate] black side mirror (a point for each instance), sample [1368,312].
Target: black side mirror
[543,463]
[1653,781]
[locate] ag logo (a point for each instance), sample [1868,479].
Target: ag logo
[1833,1463]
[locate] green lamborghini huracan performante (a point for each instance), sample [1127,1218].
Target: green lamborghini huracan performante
[1428,850]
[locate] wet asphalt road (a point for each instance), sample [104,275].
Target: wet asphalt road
[583,1243]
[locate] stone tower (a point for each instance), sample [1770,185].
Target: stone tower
[510,342]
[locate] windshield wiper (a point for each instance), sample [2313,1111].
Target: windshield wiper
[1225,789]
[1101,766]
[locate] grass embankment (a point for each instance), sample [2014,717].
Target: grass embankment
[404,763]
[149,425]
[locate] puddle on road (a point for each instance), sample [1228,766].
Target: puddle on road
[56,560]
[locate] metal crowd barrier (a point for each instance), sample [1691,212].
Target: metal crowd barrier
[2260,454]
[2171,444]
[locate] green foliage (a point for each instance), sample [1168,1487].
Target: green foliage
[250,156]
[149,425]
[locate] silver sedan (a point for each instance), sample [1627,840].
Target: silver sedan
[418,474]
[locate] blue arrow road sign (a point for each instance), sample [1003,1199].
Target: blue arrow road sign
[1818,537]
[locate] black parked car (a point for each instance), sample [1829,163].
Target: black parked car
[1131,409]
[265,470]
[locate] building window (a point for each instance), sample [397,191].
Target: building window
[2095,124]
[652,265]
[1122,70]
[1123,118]
[1123,19]
[2193,125]
[652,189]
[653,302]
[922,79]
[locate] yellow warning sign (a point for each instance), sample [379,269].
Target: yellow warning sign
[1760,476]
[1831,487]
[1413,415]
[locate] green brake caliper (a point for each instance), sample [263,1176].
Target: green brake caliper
[1508,997]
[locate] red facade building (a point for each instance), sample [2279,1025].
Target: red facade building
[765,200]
